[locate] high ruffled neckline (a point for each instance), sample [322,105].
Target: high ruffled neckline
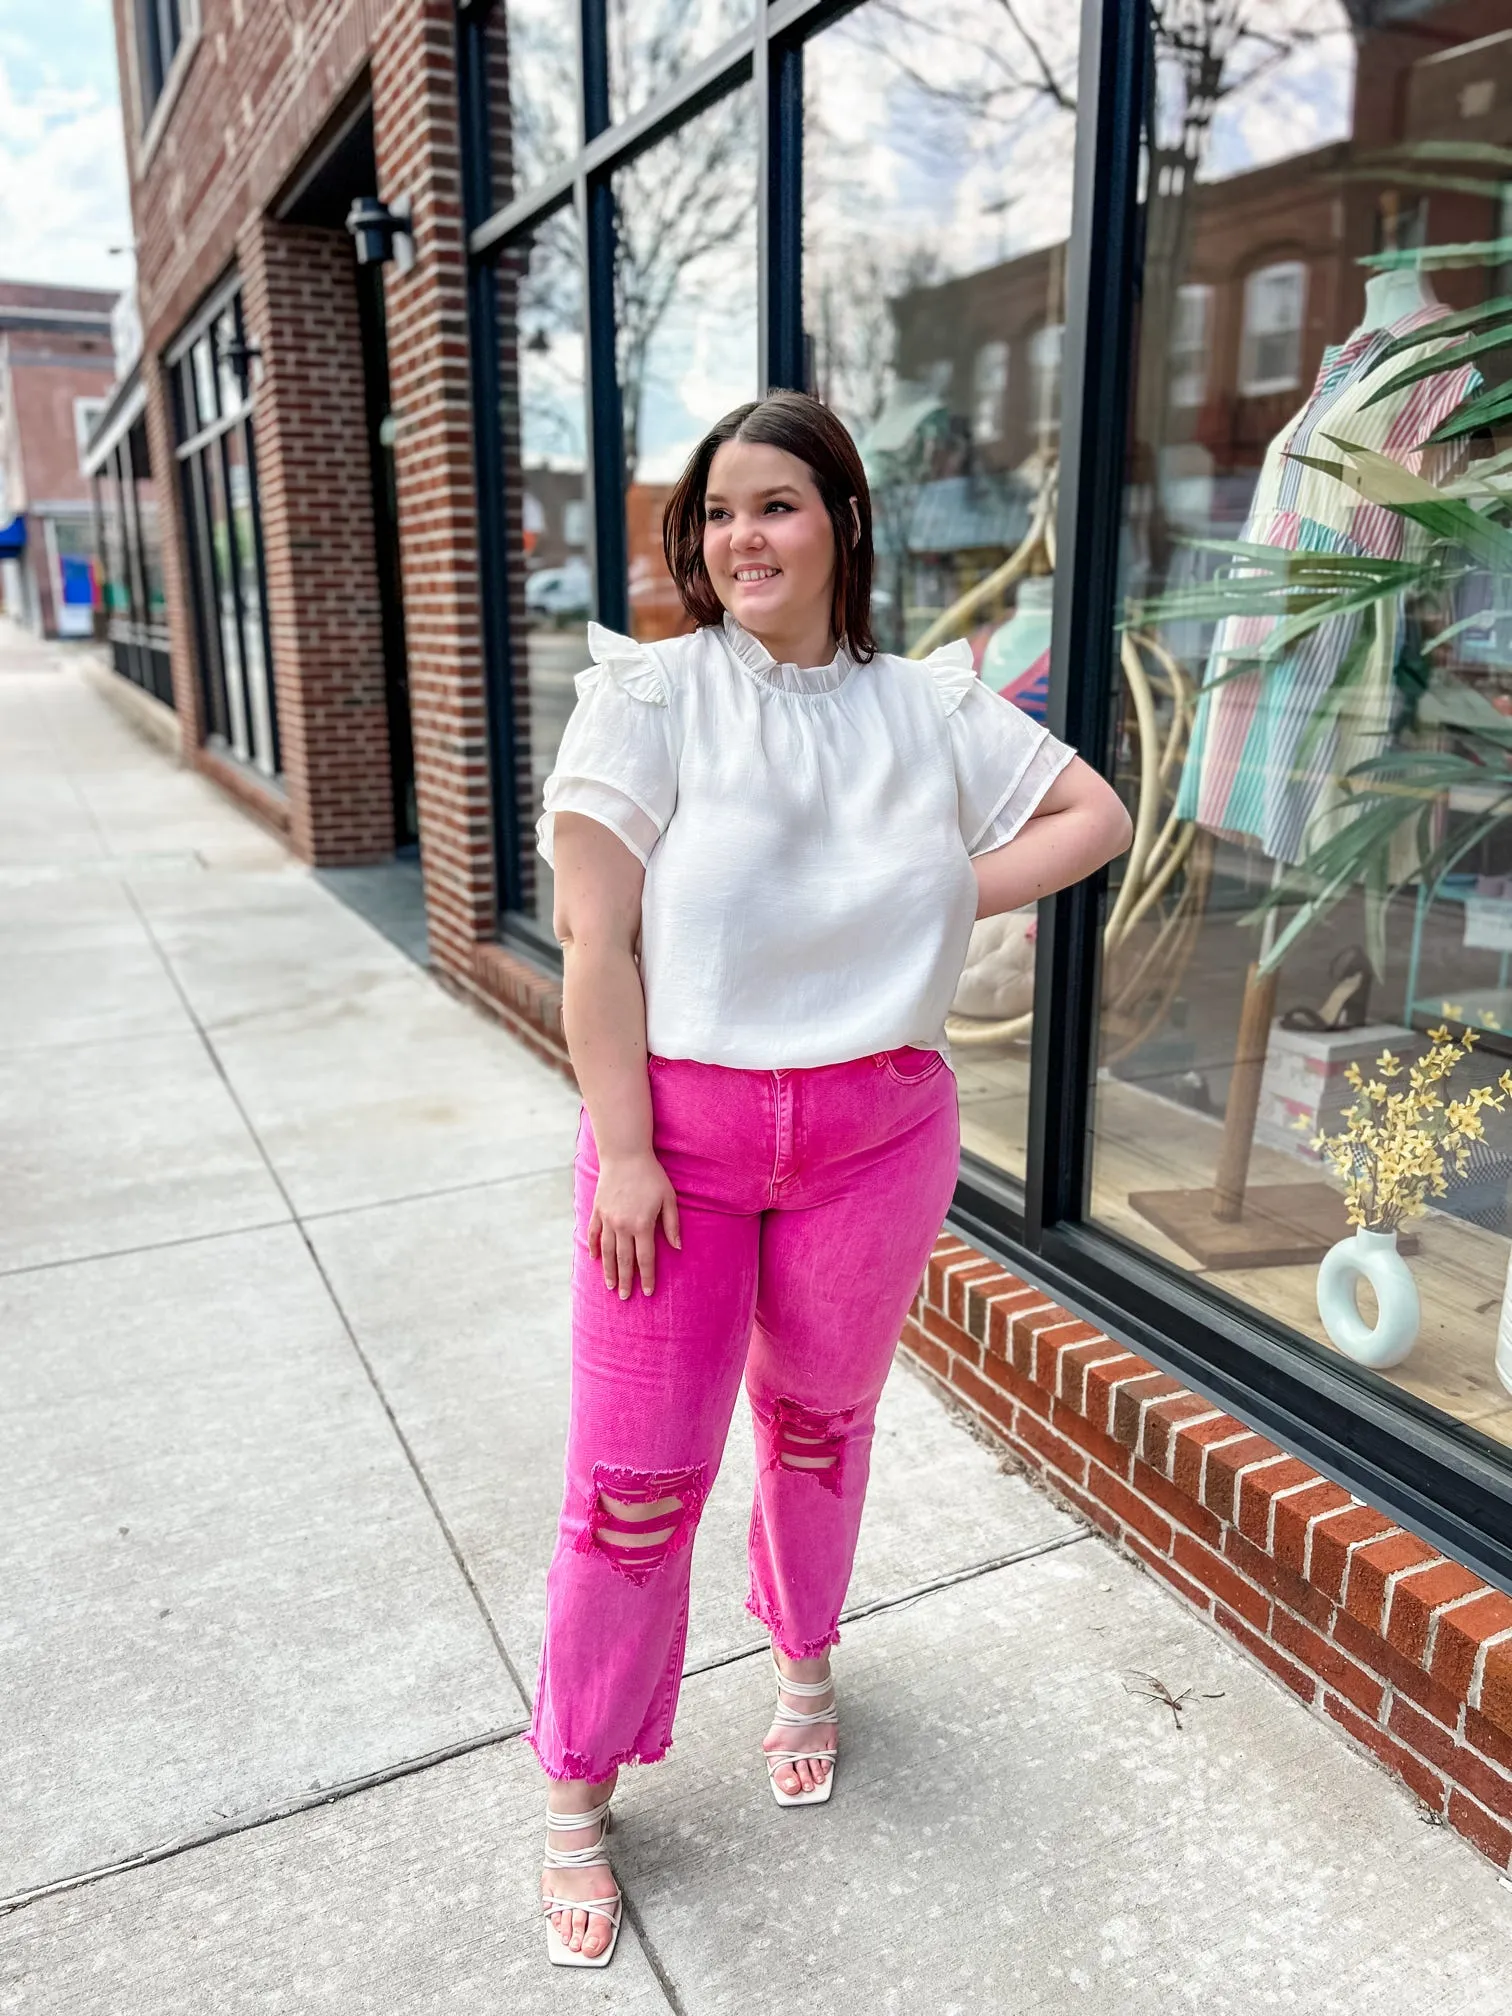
[787,678]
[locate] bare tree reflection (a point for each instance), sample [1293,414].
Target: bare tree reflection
[676,208]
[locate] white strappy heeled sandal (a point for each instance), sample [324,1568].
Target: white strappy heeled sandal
[594,1856]
[797,1718]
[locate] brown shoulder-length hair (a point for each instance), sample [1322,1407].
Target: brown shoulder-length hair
[809,430]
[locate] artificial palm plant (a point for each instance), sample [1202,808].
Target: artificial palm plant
[1391,830]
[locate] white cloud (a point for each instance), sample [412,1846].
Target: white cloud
[63,194]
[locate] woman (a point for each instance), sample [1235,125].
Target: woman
[770,842]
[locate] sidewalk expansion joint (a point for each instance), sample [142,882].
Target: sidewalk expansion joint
[266,1816]
[879,1604]
[327,1795]
[217,1064]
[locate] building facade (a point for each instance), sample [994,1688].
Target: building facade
[1181,373]
[56,369]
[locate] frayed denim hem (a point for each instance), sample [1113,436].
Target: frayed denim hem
[574,1765]
[813,1648]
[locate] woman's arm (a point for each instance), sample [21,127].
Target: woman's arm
[1078,825]
[596,917]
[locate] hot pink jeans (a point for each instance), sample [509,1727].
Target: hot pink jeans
[808,1201]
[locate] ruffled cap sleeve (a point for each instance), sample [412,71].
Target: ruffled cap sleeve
[630,665]
[616,762]
[1004,761]
[954,672]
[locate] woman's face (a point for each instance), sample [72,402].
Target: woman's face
[768,543]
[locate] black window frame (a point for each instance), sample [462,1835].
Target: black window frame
[160,34]
[1442,1478]
[200,450]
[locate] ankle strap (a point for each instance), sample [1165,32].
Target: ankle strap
[810,1687]
[565,1823]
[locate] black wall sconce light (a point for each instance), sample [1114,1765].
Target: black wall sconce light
[382,231]
[245,358]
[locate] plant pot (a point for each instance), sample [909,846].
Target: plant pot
[1373,1256]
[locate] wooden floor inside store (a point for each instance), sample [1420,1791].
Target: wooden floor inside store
[1145,1142]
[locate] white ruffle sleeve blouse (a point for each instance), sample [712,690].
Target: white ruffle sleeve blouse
[806,835]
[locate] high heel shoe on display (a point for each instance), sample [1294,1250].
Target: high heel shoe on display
[594,1856]
[1348,1001]
[797,1718]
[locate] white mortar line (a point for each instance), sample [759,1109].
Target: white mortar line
[1456,1603]
[1478,1671]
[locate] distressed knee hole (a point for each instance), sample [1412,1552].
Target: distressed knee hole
[638,1518]
[802,1438]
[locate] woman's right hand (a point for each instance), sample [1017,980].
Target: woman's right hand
[633,1196]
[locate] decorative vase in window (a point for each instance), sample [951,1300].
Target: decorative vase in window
[1398,1147]
[1373,1257]
[1504,1337]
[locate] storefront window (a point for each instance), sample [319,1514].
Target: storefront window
[937,177]
[114,592]
[128,563]
[214,379]
[550,580]
[685,309]
[652,43]
[149,532]
[540,54]
[1315,730]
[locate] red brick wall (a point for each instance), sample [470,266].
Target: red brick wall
[43,388]
[315,485]
[262,84]
[1408,1653]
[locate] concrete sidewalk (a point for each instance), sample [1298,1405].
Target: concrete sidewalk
[283,1267]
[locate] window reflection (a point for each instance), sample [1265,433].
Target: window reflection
[129,565]
[1317,685]
[540,293]
[937,173]
[685,302]
[537,40]
[653,42]
[214,387]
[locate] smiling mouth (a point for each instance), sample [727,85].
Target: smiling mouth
[748,576]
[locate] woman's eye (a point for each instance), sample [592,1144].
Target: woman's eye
[777,505]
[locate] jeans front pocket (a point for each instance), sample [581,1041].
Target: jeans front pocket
[911,1066]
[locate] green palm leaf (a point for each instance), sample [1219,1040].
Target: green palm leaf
[1452,325]
[1483,411]
[1496,338]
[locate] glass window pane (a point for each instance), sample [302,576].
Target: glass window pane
[222,609]
[537,43]
[937,201]
[546,529]
[202,380]
[115,593]
[652,42]
[685,298]
[1316,687]
[227,335]
[199,519]
[243,497]
[148,529]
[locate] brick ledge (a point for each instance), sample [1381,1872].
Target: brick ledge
[1405,1651]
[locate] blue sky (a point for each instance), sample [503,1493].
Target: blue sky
[63,196]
